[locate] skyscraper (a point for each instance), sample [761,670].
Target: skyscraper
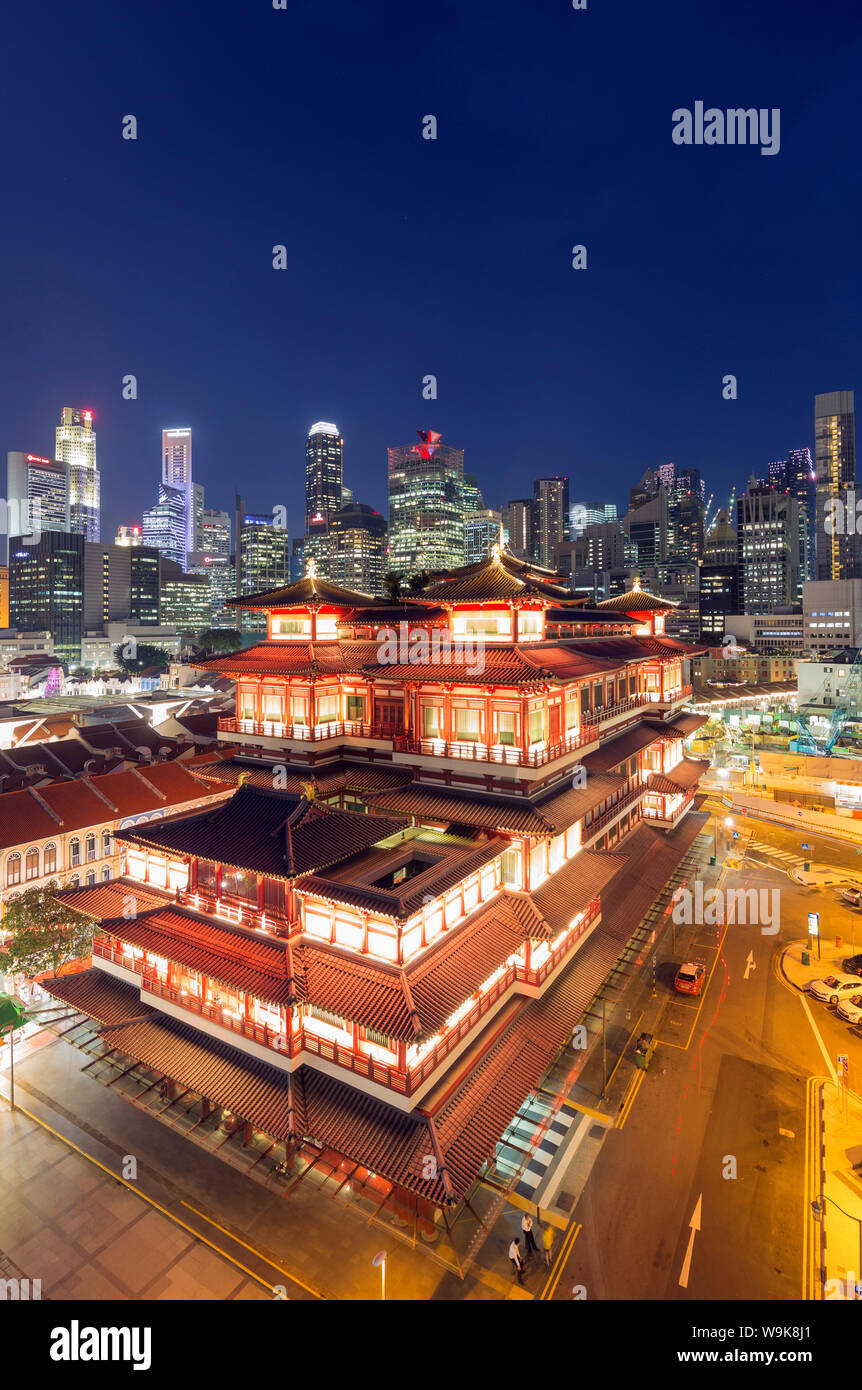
[217,532]
[518,523]
[324,467]
[262,560]
[837,548]
[40,488]
[550,517]
[177,473]
[767,532]
[76,447]
[481,531]
[426,505]
[357,535]
[165,526]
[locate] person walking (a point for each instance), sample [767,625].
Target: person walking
[529,1239]
[515,1257]
[547,1242]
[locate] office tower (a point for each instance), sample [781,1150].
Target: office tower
[481,531]
[324,463]
[177,474]
[357,535]
[719,546]
[76,447]
[767,529]
[39,489]
[317,546]
[518,524]
[219,573]
[347,496]
[144,574]
[129,535]
[646,525]
[719,598]
[801,482]
[165,526]
[649,485]
[837,550]
[262,560]
[46,589]
[603,546]
[550,517]
[184,601]
[596,515]
[426,505]
[216,533]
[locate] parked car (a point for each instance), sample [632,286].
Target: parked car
[834,988]
[853,896]
[853,965]
[851,1009]
[690,978]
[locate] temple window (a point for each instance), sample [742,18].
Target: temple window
[571,714]
[467,725]
[506,726]
[529,625]
[432,721]
[356,707]
[327,708]
[537,726]
[297,709]
[272,709]
[290,627]
[510,864]
[245,702]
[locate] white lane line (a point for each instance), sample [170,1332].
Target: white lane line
[816,1031]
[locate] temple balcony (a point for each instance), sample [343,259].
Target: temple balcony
[332,731]
[537,755]
[667,810]
[633,793]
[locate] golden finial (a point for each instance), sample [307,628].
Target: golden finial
[309,790]
[311,568]
[496,552]
[636,587]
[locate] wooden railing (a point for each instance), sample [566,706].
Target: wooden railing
[307,733]
[293,1044]
[632,793]
[505,753]
[621,707]
[652,814]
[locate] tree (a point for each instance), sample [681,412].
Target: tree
[44,933]
[418,581]
[218,639]
[144,655]
[392,580]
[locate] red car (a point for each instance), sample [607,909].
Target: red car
[690,978]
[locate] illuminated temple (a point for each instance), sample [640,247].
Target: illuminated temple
[450,814]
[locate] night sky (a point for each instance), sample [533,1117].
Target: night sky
[405,256]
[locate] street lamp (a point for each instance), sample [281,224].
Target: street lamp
[380,1260]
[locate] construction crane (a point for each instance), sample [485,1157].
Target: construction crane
[808,742]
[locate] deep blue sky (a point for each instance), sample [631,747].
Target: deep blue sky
[408,256]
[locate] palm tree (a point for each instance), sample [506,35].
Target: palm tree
[418,581]
[392,580]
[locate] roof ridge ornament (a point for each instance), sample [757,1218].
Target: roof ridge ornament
[311,568]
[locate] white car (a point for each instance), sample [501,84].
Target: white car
[851,1009]
[834,988]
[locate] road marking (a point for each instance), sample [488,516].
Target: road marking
[787,1133]
[253,1250]
[820,1043]
[694,1225]
[593,1114]
[630,1099]
[750,965]
[144,1198]
[565,1250]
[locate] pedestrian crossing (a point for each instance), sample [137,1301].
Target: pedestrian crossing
[534,1118]
[783,856]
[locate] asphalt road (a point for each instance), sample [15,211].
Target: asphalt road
[699,1191]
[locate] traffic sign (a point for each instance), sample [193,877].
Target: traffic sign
[814,923]
[736,834]
[806,846]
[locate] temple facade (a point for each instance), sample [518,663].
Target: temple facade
[378,944]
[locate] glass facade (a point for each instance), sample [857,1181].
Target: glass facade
[47,589]
[428,500]
[76,447]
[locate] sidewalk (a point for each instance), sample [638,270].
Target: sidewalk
[841,1182]
[831,960]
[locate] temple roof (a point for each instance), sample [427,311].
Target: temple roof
[495,579]
[636,600]
[308,592]
[267,832]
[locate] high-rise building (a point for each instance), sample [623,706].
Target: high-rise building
[550,517]
[177,473]
[720,546]
[595,515]
[426,505]
[801,482]
[646,525]
[518,524]
[719,598]
[165,526]
[184,601]
[37,491]
[262,560]
[837,546]
[481,531]
[46,589]
[220,575]
[324,466]
[767,529]
[216,533]
[357,535]
[129,535]
[76,447]
[144,575]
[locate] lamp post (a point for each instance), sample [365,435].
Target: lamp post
[380,1261]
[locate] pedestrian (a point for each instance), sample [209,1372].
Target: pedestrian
[547,1241]
[529,1238]
[515,1257]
